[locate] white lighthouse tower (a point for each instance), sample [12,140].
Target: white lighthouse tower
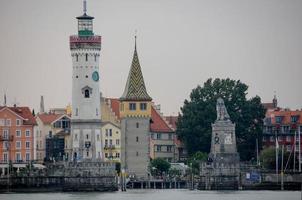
[85,122]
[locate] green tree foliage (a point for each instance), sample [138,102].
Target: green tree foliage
[159,165]
[195,159]
[198,113]
[268,159]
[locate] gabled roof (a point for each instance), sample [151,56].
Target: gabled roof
[24,113]
[135,87]
[48,118]
[159,124]
[172,120]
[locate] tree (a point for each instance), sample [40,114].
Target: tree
[198,113]
[268,159]
[195,159]
[159,165]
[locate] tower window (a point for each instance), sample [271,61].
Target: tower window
[77,57]
[87,153]
[143,106]
[132,106]
[87,136]
[86,56]
[137,125]
[77,112]
[136,138]
[96,112]
[137,153]
[77,76]
[87,95]
[95,57]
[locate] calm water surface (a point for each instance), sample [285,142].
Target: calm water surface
[159,195]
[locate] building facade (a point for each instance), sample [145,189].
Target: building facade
[85,123]
[17,126]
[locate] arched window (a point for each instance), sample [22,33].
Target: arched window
[87,95]
[95,57]
[86,56]
[77,57]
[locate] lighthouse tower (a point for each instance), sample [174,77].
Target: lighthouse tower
[85,122]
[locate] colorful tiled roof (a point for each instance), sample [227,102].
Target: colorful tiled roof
[48,118]
[23,112]
[135,87]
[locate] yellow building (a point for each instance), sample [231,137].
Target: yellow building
[111,140]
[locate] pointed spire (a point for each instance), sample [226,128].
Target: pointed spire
[42,110]
[4,99]
[135,87]
[275,101]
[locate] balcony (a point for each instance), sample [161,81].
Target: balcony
[10,138]
[109,147]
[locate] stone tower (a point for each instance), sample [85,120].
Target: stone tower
[85,123]
[135,113]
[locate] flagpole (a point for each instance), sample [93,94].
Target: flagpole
[277,148]
[295,142]
[299,135]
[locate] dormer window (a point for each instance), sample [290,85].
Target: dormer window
[87,91]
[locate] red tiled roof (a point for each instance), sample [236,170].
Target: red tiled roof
[172,121]
[47,118]
[25,113]
[286,114]
[159,124]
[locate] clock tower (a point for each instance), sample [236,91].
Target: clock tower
[85,50]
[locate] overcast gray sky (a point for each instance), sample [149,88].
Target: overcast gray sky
[181,43]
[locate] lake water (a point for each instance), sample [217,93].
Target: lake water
[159,195]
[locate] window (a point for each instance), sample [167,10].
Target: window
[18,144]
[169,148]
[5,134]
[106,155]
[294,119]
[1,122]
[77,57]
[288,138]
[136,138]
[280,138]
[27,156]
[106,142]
[76,137]
[7,122]
[143,106]
[110,132]
[132,106]
[96,112]
[5,145]
[87,153]
[106,132]
[27,145]
[77,112]
[285,129]
[18,157]
[87,94]
[18,133]
[137,153]
[278,119]
[27,133]
[98,137]
[158,136]
[50,133]
[5,157]
[158,148]
[170,136]
[117,142]
[110,142]
[95,57]
[137,125]
[271,139]
[18,122]
[86,55]
[288,148]
[117,155]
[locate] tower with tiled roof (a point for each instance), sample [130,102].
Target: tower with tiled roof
[135,114]
[85,123]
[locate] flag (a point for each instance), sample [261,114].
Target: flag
[277,144]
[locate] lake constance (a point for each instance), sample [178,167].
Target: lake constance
[159,195]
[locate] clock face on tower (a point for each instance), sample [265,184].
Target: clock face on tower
[95,76]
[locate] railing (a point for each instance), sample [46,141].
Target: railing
[109,147]
[9,138]
[86,39]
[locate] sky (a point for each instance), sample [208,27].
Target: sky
[181,43]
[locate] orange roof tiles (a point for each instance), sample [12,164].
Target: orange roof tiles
[47,118]
[25,113]
[172,121]
[286,114]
